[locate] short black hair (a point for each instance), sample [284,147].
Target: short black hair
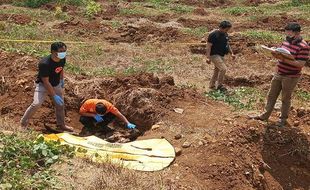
[225,24]
[101,108]
[57,45]
[293,26]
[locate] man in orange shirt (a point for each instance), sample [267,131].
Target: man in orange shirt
[99,113]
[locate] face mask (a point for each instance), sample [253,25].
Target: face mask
[61,55]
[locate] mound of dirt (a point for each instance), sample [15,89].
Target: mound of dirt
[277,23]
[83,28]
[251,81]
[110,12]
[131,34]
[194,23]
[143,98]
[16,18]
[200,11]
[256,157]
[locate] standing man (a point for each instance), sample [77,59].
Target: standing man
[217,48]
[50,81]
[288,73]
[98,113]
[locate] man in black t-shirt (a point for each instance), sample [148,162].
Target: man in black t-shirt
[217,48]
[50,81]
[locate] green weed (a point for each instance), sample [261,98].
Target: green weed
[263,35]
[198,32]
[131,70]
[92,9]
[237,10]
[303,95]
[25,162]
[181,9]
[75,69]
[240,98]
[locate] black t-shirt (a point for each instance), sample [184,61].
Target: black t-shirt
[219,42]
[51,69]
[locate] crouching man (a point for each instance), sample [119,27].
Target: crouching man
[96,114]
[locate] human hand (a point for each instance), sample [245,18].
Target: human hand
[58,100]
[98,118]
[131,126]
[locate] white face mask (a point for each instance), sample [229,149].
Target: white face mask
[61,55]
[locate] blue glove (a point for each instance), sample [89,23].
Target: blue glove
[131,126]
[58,100]
[98,118]
[62,83]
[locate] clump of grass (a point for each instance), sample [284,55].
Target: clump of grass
[181,9]
[303,95]
[92,8]
[39,3]
[263,35]
[198,32]
[25,162]
[240,98]
[300,2]
[236,10]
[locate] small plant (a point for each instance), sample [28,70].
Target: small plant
[131,70]
[32,3]
[237,10]
[92,9]
[24,162]
[182,9]
[198,32]
[263,35]
[300,2]
[303,95]
[75,69]
[240,98]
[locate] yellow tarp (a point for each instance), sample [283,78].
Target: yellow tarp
[144,155]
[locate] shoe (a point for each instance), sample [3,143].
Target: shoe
[222,88]
[258,117]
[212,87]
[65,128]
[281,123]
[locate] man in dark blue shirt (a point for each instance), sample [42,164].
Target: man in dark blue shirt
[50,81]
[217,48]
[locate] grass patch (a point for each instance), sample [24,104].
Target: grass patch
[92,9]
[198,32]
[303,95]
[263,35]
[25,162]
[240,98]
[181,9]
[237,10]
[39,3]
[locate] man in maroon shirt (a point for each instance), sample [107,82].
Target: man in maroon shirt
[288,73]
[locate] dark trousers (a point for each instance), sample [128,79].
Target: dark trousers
[90,122]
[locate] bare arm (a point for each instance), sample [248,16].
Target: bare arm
[86,114]
[209,46]
[48,86]
[62,74]
[122,117]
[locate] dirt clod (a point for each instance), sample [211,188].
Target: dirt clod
[186,145]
